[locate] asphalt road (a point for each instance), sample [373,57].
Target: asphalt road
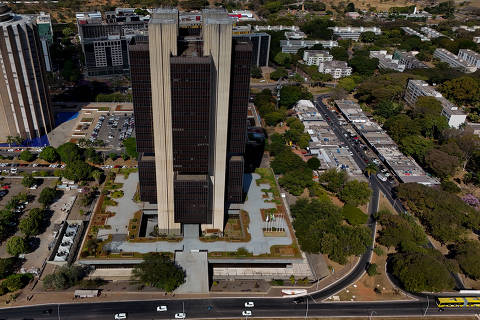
[228,308]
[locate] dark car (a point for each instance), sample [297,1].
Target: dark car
[48,311]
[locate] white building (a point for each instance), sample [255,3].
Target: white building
[476,39]
[353,15]
[419,88]
[386,61]
[453,60]
[314,57]
[412,32]
[292,46]
[471,57]
[466,28]
[338,69]
[276,28]
[431,33]
[295,35]
[353,32]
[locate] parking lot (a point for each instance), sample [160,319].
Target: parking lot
[113,129]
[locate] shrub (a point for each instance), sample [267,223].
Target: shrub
[372,269]
[354,215]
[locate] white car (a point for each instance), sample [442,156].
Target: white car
[120,316]
[249,304]
[246,313]
[180,315]
[381,177]
[161,308]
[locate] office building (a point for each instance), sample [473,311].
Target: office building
[260,46]
[25,108]
[295,35]
[276,28]
[292,46]
[386,61]
[412,32]
[353,33]
[471,57]
[45,32]
[419,88]
[242,29]
[408,59]
[314,57]
[104,43]
[190,96]
[453,60]
[338,69]
[431,33]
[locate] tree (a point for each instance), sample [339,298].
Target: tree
[347,83]
[78,171]
[159,271]
[318,28]
[350,7]
[355,192]
[130,145]
[367,37]
[17,281]
[295,181]
[416,146]
[400,126]
[26,156]
[49,154]
[289,95]
[363,64]
[256,72]
[283,59]
[427,106]
[441,163]
[469,144]
[370,169]
[468,256]
[278,74]
[419,272]
[372,269]
[286,161]
[387,109]
[66,277]
[354,215]
[339,53]
[313,163]
[464,90]
[97,175]
[70,152]
[47,196]
[28,181]
[275,117]
[31,225]
[333,180]
[7,267]
[17,245]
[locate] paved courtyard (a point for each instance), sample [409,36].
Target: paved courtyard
[259,243]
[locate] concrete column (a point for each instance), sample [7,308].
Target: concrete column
[162,30]
[217,36]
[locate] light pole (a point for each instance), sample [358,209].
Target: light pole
[371,315]
[306,312]
[428,305]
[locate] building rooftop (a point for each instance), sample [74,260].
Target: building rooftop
[336,64]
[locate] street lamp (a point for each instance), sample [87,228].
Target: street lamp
[371,315]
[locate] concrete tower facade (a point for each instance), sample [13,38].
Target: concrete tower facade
[198,130]
[25,108]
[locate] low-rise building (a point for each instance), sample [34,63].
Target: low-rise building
[276,28]
[431,33]
[337,69]
[453,60]
[412,32]
[408,59]
[476,39]
[324,143]
[237,30]
[353,15]
[405,168]
[353,32]
[386,61]
[242,15]
[292,46]
[295,35]
[466,28]
[419,88]
[314,57]
[471,57]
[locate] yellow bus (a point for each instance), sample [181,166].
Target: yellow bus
[457,302]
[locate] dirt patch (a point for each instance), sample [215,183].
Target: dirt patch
[240,286]
[384,204]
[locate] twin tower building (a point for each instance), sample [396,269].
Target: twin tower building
[190,83]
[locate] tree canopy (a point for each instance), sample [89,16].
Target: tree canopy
[49,154]
[130,145]
[47,196]
[17,245]
[69,152]
[78,171]
[467,254]
[26,156]
[355,192]
[159,271]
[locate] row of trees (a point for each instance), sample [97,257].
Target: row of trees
[351,192]
[11,281]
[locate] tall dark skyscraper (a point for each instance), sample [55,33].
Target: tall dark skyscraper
[190,85]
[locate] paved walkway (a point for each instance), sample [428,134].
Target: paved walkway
[125,209]
[259,244]
[195,265]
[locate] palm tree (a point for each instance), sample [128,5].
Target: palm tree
[10,140]
[370,169]
[97,175]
